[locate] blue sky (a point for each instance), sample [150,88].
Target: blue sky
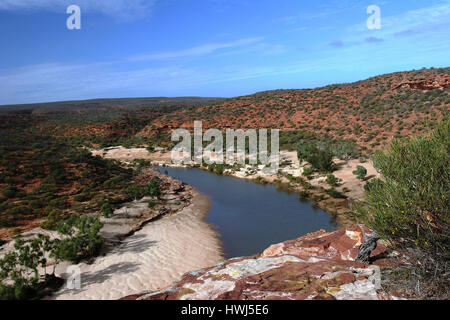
[138,48]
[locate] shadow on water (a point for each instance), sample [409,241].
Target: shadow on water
[249,216]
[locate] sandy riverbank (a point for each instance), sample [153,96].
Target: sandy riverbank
[152,258]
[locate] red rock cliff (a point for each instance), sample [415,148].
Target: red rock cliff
[319,265]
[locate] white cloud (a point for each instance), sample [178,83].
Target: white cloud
[197,51]
[70,81]
[60,81]
[119,9]
[421,17]
[429,22]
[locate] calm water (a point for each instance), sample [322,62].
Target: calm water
[250,217]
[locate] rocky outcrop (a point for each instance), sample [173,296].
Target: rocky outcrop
[440,82]
[319,265]
[167,184]
[133,216]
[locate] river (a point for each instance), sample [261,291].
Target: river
[250,217]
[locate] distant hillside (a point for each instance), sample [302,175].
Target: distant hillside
[106,103]
[369,112]
[366,114]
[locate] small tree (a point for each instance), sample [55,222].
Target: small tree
[135,192]
[19,274]
[81,238]
[320,158]
[20,266]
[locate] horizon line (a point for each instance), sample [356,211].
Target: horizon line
[206,97]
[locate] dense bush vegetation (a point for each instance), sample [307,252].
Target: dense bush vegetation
[320,159]
[151,189]
[410,206]
[50,168]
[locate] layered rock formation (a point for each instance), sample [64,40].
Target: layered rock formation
[319,265]
[439,82]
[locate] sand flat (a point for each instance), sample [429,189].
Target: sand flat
[153,258]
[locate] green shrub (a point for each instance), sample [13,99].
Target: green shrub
[106,209]
[10,192]
[308,172]
[45,188]
[320,158]
[360,172]
[53,218]
[19,275]
[58,202]
[82,239]
[411,204]
[260,180]
[36,203]
[113,182]
[304,149]
[16,210]
[345,150]
[304,194]
[153,188]
[7,292]
[142,163]
[332,180]
[82,197]
[217,168]
[335,194]
[371,184]
[137,192]
[318,197]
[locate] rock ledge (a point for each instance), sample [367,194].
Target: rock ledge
[319,265]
